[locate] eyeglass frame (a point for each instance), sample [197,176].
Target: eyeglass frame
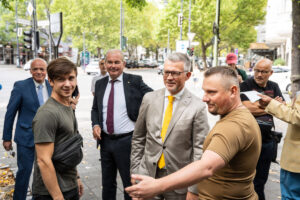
[174,74]
[261,71]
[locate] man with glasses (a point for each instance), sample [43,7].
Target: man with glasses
[115,109]
[261,83]
[103,73]
[170,129]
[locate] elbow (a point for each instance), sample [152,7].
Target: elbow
[42,163]
[208,172]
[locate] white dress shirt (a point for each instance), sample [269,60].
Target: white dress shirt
[122,123]
[95,79]
[175,101]
[45,91]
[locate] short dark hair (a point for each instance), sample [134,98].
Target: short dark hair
[60,67]
[229,75]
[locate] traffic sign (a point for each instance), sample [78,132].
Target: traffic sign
[24,21]
[30,9]
[56,20]
[43,23]
[19,32]
[191,36]
[182,45]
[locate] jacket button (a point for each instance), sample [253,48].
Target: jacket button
[154,163]
[164,147]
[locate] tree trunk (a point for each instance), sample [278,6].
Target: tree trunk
[295,78]
[203,48]
[99,52]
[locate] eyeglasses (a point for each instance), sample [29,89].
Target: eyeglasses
[174,74]
[261,71]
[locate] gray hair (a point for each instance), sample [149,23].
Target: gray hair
[36,59]
[180,57]
[228,75]
[115,51]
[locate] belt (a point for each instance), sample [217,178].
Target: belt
[116,136]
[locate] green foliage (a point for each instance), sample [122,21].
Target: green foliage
[237,21]
[136,3]
[6,4]
[279,62]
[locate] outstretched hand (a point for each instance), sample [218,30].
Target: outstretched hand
[146,188]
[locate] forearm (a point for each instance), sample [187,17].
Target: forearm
[189,175]
[49,178]
[281,111]
[254,108]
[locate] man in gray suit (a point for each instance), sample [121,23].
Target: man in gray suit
[171,126]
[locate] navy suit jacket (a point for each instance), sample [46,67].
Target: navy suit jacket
[134,89]
[24,101]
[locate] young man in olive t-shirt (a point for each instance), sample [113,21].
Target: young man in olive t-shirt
[230,151]
[54,123]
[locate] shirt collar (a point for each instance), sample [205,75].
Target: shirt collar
[120,78]
[37,84]
[177,96]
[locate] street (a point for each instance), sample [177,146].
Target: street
[90,169]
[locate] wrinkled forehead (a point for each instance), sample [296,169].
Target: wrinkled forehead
[263,65]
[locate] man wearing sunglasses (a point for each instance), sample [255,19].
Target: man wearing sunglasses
[171,126]
[261,83]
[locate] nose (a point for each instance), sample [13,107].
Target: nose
[205,98]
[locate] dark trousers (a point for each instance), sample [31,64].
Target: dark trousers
[25,158]
[115,155]
[262,169]
[69,195]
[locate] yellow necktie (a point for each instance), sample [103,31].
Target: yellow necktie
[167,119]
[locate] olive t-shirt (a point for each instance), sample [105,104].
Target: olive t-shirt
[55,123]
[236,138]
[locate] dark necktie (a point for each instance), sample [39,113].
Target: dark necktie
[110,110]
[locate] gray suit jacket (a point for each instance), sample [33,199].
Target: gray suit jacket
[186,132]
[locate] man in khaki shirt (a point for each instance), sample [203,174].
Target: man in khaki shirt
[231,149]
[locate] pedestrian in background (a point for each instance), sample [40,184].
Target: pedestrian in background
[290,160]
[261,83]
[230,150]
[115,109]
[171,127]
[26,97]
[55,123]
[103,73]
[231,60]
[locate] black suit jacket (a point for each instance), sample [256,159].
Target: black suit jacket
[134,89]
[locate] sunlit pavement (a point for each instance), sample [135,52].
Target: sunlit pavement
[90,169]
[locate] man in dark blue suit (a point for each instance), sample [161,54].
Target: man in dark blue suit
[26,97]
[115,109]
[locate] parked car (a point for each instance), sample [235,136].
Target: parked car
[27,65]
[131,64]
[92,68]
[160,69]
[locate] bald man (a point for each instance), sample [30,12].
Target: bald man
[261,83]
[26,97]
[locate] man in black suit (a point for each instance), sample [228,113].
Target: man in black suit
[115,109]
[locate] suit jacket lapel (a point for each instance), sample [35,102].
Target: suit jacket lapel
[126,85]
[180,108]
[33,91]
[101,92]
[49,88]
[158,109]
